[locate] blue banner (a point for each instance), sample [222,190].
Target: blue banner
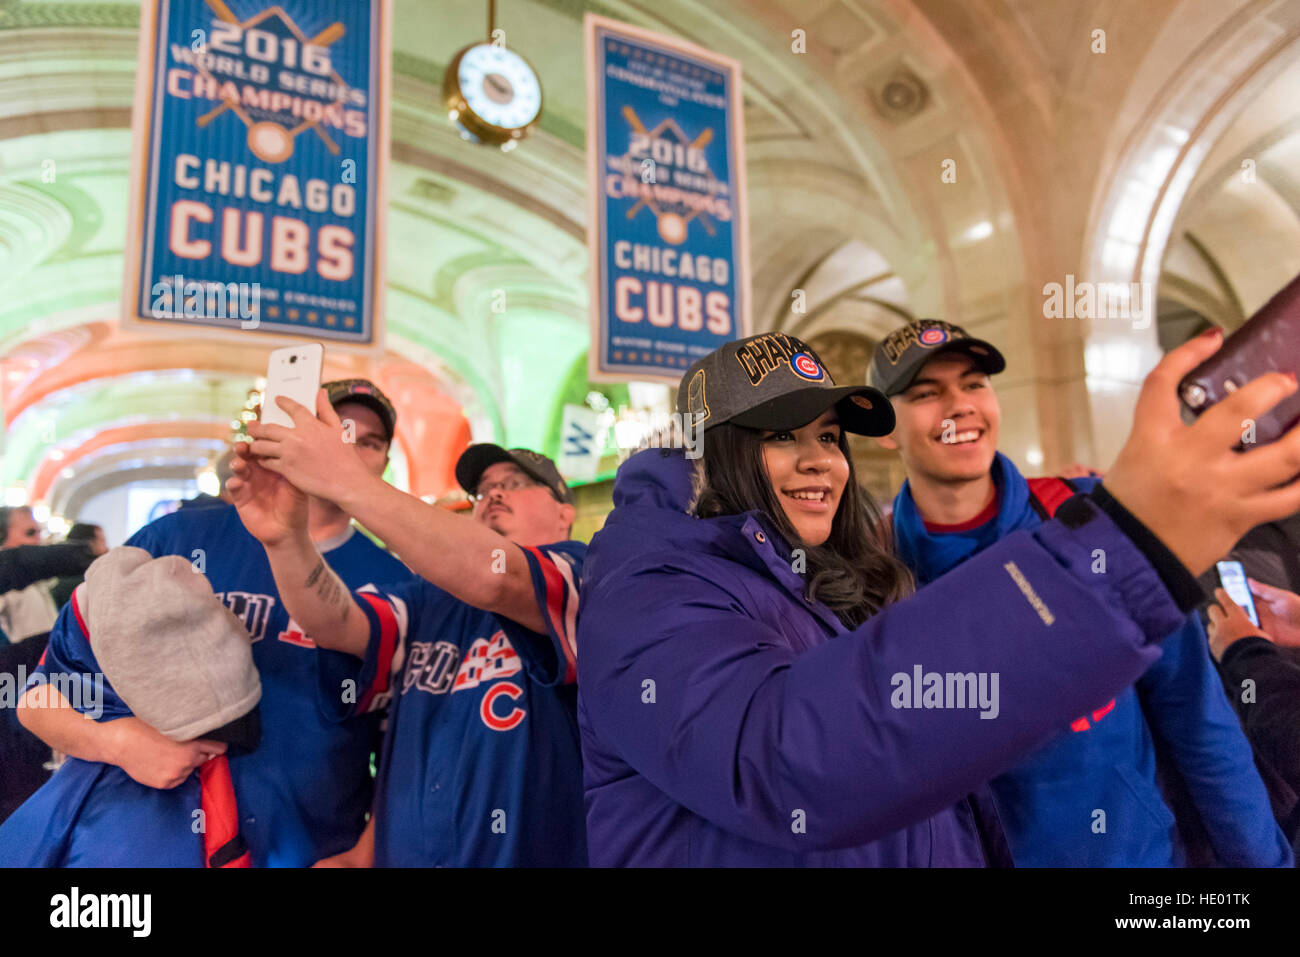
[668,232]
[258,183]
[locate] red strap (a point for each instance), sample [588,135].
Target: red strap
[1050,493]
[76,610]
[220,814]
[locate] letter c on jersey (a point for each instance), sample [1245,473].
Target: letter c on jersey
[510,690]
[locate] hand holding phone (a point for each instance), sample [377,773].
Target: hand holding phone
[293,371]
[1233,577]
[1279,612]
[1269,341]
[314,455]
[1191,485]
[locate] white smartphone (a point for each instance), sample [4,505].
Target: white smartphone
[1233,576]
[293,371]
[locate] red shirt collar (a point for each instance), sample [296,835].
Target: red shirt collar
[987,514]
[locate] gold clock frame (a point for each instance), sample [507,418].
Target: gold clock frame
[459,110]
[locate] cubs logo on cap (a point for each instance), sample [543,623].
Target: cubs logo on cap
[748,383]
[806,366]
[901,354]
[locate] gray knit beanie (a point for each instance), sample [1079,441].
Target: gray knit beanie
[174,653]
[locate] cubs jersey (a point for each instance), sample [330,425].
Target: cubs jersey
[481,764]
[304,793]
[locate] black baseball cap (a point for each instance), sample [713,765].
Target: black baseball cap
[776,382]
[477,459]
[366,393]
[901,354]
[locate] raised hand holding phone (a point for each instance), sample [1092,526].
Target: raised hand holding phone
[1269,341]
[292,372]
[1187,483]
[314,453]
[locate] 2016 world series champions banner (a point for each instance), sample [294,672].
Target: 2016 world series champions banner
[257,199]
[667,228]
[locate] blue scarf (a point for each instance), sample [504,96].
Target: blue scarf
[931,554]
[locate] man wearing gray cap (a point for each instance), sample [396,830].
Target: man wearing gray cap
[476,665]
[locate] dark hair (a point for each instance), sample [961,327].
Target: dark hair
[854,573]
[7,512]
[82,532]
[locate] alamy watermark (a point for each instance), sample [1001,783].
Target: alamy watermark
[84,692]
[127,911]
[660,430]
[175,297]
[1133,301]
[946,690]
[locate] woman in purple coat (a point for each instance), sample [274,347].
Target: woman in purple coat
[755,686]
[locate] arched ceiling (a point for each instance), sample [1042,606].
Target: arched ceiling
[487,296]
[1236,240]
[850,141]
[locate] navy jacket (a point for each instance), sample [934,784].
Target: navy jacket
[1089,797]
[728,721]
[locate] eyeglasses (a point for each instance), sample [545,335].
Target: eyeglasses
[512,484]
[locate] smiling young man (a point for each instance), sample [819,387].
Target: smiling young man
[474,663]
[1089,797]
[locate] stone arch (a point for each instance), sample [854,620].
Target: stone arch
[1200,71]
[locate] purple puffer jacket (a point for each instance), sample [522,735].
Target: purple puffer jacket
[727,721]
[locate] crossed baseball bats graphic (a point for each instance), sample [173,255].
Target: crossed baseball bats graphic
[257,131]
[699,142]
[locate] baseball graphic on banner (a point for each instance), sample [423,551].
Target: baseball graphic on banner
[257,201]
[667,233]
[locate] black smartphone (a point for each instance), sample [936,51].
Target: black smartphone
[1233,577]
[1269,341]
